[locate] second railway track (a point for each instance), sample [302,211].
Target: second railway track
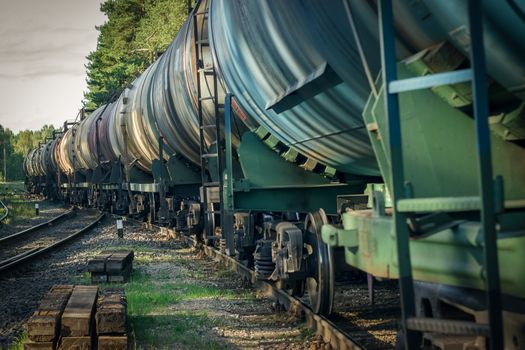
[31,243]
[5,213]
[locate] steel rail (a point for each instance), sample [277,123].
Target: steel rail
[4,216]
[50,222]
[330,333]
[7,265]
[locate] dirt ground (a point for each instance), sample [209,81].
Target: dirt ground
[177,298]
[194,303]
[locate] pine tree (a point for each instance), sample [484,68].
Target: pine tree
[113,65]
[135,34]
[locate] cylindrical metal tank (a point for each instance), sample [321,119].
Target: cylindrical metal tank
[85,159]
[28,163]
[92,132]
[48,157]
[142,131]
[423,23]
[35,161]
[40,161]
[297,71]
[117,128]
[53,161]
[62,153]
[163,101]
[104,143]
[285,82]
[172,102]
[175,96]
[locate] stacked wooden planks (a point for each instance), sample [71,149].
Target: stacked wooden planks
[77,319]
[111,321]
[43,328]
[69,317]
[113,266]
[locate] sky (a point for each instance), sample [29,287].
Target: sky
[43,45]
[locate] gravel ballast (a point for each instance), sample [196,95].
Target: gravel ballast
[199,305]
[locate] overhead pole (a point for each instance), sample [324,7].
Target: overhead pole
[5,164]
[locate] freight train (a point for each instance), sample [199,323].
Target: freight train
[309,137]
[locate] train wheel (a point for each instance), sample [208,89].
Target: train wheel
[320,265]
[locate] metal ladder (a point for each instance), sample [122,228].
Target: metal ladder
[204,151]
[412,326]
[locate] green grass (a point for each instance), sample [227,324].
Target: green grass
[146,296]
[153,293]
[10,187]
[182,329]
[154,318]
[18,343]
[19,209]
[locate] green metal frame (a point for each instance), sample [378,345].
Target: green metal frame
[271,183]
[439,145]
[453,256]
[406,284]
[228,206]
[397,181]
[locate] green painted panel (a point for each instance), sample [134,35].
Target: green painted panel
[439,147]
[452,256]
[180,173]
[301,199]
[272,183]
[263,167]
[135,175]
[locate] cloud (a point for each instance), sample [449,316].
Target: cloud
[43,45]
[43,29]
[42,73]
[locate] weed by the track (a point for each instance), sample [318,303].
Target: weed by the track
[181,329]
[18,343]
[20,207]
[153,315]
[12,187]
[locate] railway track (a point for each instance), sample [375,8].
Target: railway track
[373,325]
[15,236]
[357,324]
[6,211]
[21,247]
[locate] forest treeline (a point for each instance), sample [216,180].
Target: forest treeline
[16,148]
[135,33]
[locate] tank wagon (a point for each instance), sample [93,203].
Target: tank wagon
[306,138]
